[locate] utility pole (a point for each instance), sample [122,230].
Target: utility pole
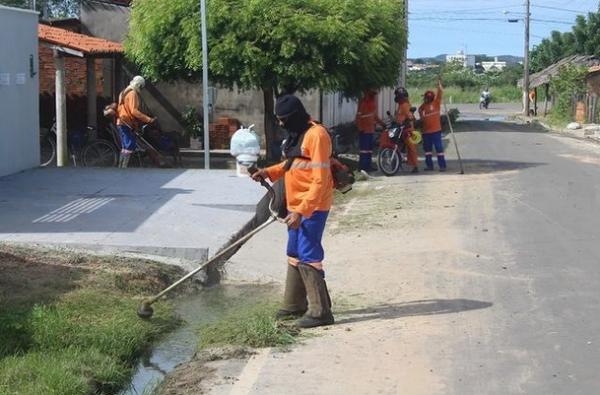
[205,84]
[526,61]
[403,67]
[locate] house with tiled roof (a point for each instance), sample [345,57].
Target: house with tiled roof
[84,77]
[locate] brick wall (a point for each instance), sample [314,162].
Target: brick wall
[75,73]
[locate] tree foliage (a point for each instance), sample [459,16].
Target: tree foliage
[569,84]
[583,39]
[274,46]
[286,44]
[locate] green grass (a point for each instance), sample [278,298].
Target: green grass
[500,94]
[252,326]
[85,342]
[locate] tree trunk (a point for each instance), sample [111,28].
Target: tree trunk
[269,120]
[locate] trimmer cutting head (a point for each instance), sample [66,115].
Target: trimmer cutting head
[145,310]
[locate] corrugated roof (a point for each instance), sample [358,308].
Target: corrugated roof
[544,76]
[87,45]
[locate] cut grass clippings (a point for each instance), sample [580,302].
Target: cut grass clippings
[251,326]
[82,341]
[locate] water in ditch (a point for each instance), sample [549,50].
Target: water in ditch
[179,346]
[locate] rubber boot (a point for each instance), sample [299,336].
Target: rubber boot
[294,296]
[125,162]
[120,160]
[319,302]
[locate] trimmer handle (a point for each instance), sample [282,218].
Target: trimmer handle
[253,169]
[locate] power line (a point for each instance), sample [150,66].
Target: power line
[559,9]
[467,10]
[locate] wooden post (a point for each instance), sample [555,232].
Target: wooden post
[61,111]
[91,94]
[547,86]
[117,77]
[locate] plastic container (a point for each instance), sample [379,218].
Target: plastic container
[245,147]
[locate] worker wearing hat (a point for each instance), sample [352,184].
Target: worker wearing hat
[130,118]
[431,126]
[404,114]
[309,195]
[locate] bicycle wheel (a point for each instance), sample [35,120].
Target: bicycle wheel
[388,161]
[100,153]
[47,151]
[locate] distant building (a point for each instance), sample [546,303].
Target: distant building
[495,65]
[421,67]
[461,58]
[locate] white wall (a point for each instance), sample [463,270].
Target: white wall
[337,109]
[19,91]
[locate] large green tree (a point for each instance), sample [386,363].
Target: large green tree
[278,46]
[583,39]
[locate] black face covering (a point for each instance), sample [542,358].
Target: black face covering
[290,110]
[293,114]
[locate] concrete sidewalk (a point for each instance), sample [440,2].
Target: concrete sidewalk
[175,215]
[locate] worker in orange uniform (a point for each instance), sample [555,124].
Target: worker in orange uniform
[404,114]
[129,118]
[532,102]
[309,195]
[431,125]
[366,119]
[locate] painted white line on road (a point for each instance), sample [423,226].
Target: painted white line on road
[249,375]
[73,209]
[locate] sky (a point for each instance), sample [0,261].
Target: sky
[481,27]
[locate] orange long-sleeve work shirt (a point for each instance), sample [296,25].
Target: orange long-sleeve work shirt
[308,183]
[403,113]
[431,115]
[366,114]
[129,111]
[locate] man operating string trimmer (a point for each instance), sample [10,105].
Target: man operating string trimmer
[309,193]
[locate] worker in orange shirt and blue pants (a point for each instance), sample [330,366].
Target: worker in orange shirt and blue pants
[431,126]
[309,195]
[403,115]
[366,118]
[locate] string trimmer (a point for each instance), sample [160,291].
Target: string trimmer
[145,310]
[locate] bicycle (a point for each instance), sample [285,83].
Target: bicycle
[95,153]
[166,143]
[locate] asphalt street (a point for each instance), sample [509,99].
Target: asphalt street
[511,246]
[542,234]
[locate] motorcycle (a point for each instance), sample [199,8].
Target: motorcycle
[391,145]
[484,101]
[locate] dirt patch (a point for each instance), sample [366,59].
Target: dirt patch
[194,377]
[33,275]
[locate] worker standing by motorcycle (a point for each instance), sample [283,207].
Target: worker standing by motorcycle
[404,114]
[431,124]
[309,195]
[366,119]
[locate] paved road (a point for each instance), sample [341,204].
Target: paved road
[497,291]
[545,228]
[181,214]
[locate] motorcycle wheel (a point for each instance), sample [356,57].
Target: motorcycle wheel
[388,161]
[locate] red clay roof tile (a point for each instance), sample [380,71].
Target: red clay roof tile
[80,42]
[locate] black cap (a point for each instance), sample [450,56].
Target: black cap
[287,105]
